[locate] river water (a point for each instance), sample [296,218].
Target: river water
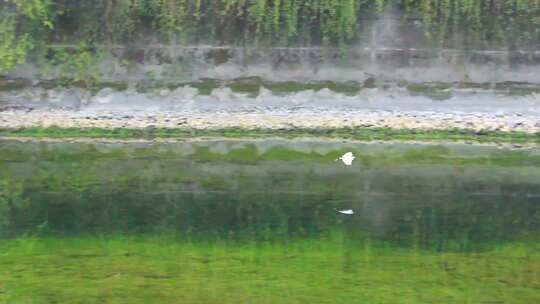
[254,222]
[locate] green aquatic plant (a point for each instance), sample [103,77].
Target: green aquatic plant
[11,200]
[157,269]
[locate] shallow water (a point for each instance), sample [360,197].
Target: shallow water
[254,222]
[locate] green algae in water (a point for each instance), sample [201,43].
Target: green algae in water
[254,222]
[329,270]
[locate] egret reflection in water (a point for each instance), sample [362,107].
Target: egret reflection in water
[346,211]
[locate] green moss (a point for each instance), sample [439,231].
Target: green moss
[13,84]
[437,91]
[253,85]
[347,88]
[205,86]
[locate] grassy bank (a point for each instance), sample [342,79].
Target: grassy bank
[363,134]
[148,269]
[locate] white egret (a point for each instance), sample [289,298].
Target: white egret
[345,211]
[347,158]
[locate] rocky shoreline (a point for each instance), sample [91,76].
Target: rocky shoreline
[251,105]
[26,118]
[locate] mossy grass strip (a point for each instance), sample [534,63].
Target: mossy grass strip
[363,134]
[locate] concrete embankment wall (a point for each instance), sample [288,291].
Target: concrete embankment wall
[188,63]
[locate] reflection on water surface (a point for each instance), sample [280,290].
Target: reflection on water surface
[254,222]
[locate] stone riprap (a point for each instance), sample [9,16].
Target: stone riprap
[187,107]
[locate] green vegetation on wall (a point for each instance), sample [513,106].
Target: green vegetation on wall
[22,23]
[31,27]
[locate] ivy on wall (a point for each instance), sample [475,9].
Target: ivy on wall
[27,27]
[21,23]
